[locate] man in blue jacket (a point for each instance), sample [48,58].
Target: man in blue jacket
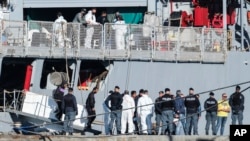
[180,107]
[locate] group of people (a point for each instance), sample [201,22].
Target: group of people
[175,114]
[88,19]
[131,113]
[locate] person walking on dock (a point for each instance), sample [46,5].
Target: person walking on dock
[90,107]
[69,107]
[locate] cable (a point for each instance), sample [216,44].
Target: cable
[144,105]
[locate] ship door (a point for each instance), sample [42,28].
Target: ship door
[13,77]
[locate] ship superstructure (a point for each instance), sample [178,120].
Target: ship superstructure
[180,44]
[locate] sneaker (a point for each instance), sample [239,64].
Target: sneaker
[63,133]
[83,133]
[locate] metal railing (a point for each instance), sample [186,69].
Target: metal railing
[113,41]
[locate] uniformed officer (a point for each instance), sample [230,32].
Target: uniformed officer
[210,105]
[192,104]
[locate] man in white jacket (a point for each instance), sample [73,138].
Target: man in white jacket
[120,31]
[145,109]
[60,30]
[128,109]
[90,18]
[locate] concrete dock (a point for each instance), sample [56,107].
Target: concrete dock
[111,138]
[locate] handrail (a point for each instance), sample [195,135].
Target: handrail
[111,41]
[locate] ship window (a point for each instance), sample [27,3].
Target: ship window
[92,73]
[54,73]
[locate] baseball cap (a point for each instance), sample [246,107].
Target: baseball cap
[211,93]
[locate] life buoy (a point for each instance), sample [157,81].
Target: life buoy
[217,21]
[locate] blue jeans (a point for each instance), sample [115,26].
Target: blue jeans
[167,121]
[221,121]
[158,120]
[211,119]
[68,121]
[115,116]
[191,121]
[237,116]
[149,123]
[183,120]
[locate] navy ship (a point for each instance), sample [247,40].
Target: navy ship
[174,44]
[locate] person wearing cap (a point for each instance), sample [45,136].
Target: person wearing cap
[222,113]
[158,114]
[192,104]
[236,101]
[145,109]
[115,106]
[210,105]
[180,107]
[128,109]
[167,110]
[90,107]
[80,16]
[69,108]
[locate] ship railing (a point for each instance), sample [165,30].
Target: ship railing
[91,42]
[165,44]
[12,100]
[13,36]
[214,45]
[113,41]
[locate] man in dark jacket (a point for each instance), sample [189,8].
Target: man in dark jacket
[210,105]
[158,117]
[58,96]
[69,108]
[116,106]
[236,101]
[192,104]
[167,110]
[103,18]
[90,106]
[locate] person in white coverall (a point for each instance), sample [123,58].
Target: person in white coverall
[60,29]
[128,109]
[145,109]
[91,20]
[120,31]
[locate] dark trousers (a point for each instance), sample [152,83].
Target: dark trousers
[135,121]
[91,117]
[59,114]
